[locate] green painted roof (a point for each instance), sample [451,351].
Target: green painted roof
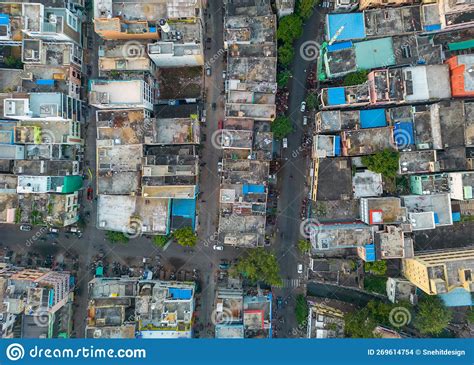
[72,183]
[374,53]
[458,46]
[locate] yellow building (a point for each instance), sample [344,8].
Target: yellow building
[366,4]
[439,272]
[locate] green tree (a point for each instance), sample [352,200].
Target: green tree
[470,315]
[161,241]
[304,246]
[355,78]
[185,237]
[281,127]
[285,54]
[301,309]
[290,27]
[311,101]
[432,316]
[258,265]
[116,237]
[283,78]
[384,162]
[12,62]
[376,267]
[359,324]
[305,8]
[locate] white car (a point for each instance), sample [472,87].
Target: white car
[218,248]
[300,268]
[219,166]
[303,106]
[285,142]
[305,120]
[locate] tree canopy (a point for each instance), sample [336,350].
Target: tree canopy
[311,101]
[355,78]
[283,78]
[185,237]
[376,267]
[432,316]
[281,127]
[285,54]
[305,8]
[384,162]
[304,246]
[290,27]
[259,265]
[301,309]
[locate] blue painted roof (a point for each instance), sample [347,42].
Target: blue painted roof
[336,96]
[185,208]
[339,46]
[353,23]
[436,218]
[251,188]
[178,293]
[403,134]
[457,298]
[337,146]
[373,118]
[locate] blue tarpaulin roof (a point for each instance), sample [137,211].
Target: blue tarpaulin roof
[436,218]
[373,118]
[432,27]
[456,217]
[337,146]
[4,19]
[403,134]
[250,188]
[45,82]
[177,293]
[339,46]
[353,23]
[336,96]
[369,252]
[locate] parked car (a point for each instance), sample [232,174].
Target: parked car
[224,75]
[26,227]
[300,268]
[219,166]
[90,193]
[303,106]
[218,248]
[279,302]
[208,71]
[305,120]
[224,266]
[213,105]
[220,124]
[53,230]
[285,142]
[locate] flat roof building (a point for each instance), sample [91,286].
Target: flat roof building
[439,272]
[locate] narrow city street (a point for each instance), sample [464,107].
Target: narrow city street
[291,180]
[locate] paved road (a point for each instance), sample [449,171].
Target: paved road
[291,180]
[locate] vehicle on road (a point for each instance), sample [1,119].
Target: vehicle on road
[213,105]
[53,230]
[303,106]
[219,166]
[224,75]
[279,302]
[305,120]
[26,227]
[285,142]
[208,71]
[220,124]
[224,265]
[90,193]
[218,248]
[300,268]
